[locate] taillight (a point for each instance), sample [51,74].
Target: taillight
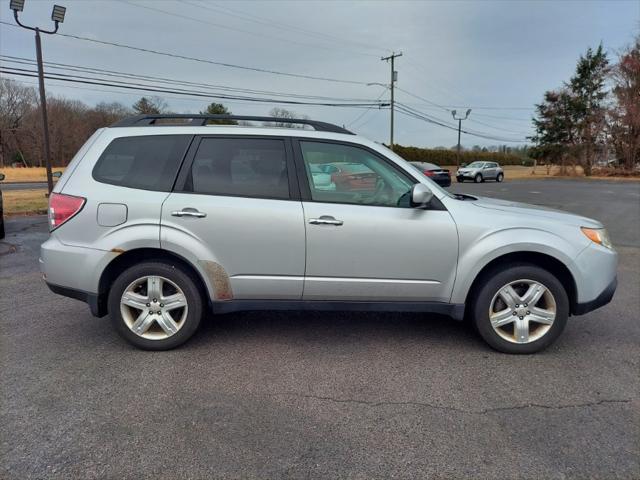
[62,208]
[429,173]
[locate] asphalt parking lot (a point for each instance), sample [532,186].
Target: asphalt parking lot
[323,395]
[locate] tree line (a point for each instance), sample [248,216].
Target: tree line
[72,122]
[593,119]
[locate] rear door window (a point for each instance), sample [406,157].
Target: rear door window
[248,167]
[149,162]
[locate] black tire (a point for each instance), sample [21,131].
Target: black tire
[460,179]
[177,275]
[500,177]
[492,282]
[478,178]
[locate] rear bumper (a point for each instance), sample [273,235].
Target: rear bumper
[443,182]
[96,302]
[601,300]
[75,272]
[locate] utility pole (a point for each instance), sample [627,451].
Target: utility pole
[394,78]
[57,16]
[453,113]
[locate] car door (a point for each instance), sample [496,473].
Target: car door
[236,208]
[491,169]
[371,245]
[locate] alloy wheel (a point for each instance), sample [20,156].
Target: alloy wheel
[153,307]
[522,311]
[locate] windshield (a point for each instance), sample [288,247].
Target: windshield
[475,165]
[437,190]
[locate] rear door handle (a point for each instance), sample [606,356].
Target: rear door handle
[188,212]
[325,220]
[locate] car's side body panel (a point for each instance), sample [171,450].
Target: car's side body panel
[359,260]
[262,249]
[257,245]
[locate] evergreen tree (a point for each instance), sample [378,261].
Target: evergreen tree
[218,109]
[588,95]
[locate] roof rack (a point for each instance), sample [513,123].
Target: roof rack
[201,120]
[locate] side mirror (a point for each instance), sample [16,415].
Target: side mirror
[1,176]
[56,174]
[420,195]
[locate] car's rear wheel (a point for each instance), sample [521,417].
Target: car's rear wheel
[155,305]
[500,177]
[520,308]
[478,178]
[460,179]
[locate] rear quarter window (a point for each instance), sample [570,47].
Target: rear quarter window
[149,162]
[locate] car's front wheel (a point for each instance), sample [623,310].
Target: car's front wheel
[460,179]
[520,308]
[155,305]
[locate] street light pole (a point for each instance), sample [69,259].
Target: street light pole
[394,78]
[453,113]
[45,120]
[57,15]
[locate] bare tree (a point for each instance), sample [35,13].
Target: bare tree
[16,101]
[150,105]
[284,113]
[625,113]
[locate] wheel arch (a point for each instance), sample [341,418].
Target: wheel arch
[542,260]
[135,256]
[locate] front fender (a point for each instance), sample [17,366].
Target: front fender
[482,251]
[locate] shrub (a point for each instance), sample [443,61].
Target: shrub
[448,157]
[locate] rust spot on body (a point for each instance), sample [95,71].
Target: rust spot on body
[117,250]
[219,279]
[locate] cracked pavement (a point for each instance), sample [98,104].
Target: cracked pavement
[318,394]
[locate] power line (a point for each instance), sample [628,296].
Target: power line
[150,88]
[424,99]
[226,27]
[273,24]
[408,111]
[366,111]
[201,60]
[113,73]
[435,105]
[498,128]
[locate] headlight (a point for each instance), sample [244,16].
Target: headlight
[597,235]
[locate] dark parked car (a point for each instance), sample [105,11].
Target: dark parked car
[439,175]
[1,211]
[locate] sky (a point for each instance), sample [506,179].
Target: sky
[495,57]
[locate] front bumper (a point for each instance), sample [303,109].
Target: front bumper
[596,278]
[600,301]
[465,174]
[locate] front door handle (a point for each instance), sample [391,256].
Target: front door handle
[325,220]
[188,212]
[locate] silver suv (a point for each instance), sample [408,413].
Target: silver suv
[480,171]
[159,220]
